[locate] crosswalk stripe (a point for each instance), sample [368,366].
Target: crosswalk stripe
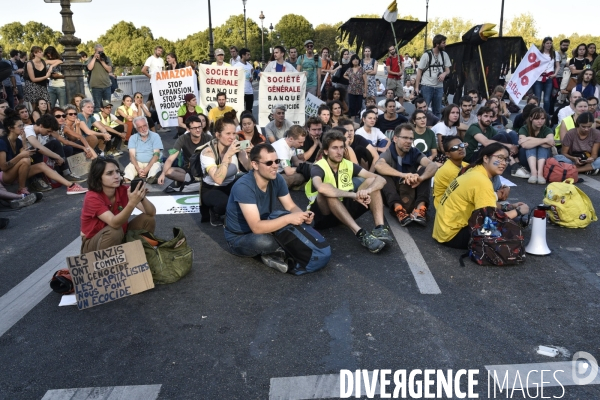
[138,392]
[594,184]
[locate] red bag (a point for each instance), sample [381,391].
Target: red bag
[557,171]
[61,282]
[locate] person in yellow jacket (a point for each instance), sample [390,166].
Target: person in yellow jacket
[334,199]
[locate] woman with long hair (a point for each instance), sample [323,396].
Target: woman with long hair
[109,204]
[357,86]
[249,131]
[537,139]
[544,82]
[371,133]
[40,107]
[369,65]
[38,73]
[339,94]
[455,152]
[447,125]
[76,100]
[471,191]
[220,169]
[69,146]
[568,123]
[125,114]
[141,110]
[591,53]
[72,131]
[336,112]
[581,145]
[56,88]
[342,66]
[172,62]
[579,62]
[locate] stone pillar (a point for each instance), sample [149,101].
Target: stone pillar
[71,67]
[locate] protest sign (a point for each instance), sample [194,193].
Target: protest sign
[529,70]
[312,104]
[181,204]
[169,89]
[79,164]
[282,88]
[227,79]
[107,275]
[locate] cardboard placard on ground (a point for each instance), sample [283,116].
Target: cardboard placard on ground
[180,204]
[227,79]
[169,89]
[282,88]
[107,275]
[79,164]
[312,104]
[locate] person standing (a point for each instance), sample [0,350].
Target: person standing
[357,86]
[293,59]
[544,82]
[10,83]
[326,72]
[36,78]
[245,63]
[154,63]
[235,58]
[433,68]
[395,69]
[100,67]
[369,65]
[220,54]
[56,89]
[278,64]
[311,64]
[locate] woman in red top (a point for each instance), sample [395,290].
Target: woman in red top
[108,205]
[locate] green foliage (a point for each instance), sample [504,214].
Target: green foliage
[326,36]
[193,47]
[21,37]
[524,25]
[293,31]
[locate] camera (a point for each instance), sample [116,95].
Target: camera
[102,56]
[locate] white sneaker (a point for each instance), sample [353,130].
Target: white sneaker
[521,172]
[275,262]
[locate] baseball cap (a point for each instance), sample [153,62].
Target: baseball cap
[219,52]
[308,41]
[106,103]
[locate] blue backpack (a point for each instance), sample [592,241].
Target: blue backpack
[306,249]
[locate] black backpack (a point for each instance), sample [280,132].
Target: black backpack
[196,164]
[6,69]
[430,55]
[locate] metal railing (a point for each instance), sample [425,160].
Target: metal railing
[134,83]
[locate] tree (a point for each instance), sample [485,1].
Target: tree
[524,25]
[293,31]
[193,47]
[326,36]
[231,33]
[22,37]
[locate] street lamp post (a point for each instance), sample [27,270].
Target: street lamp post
[426,24]
[271,36]
[245,30]
[71,67]
[211,50]
[501,19]
[262,36]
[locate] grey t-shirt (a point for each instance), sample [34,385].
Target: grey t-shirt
[429,77]
[185,145]
[100,78]
[272,131]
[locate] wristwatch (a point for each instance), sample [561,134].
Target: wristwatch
[518,210]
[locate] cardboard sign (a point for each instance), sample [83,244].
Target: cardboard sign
[107,275]
[169,89]
[181,204]
[312,104]
[282,88]
[227,79]
[79,164]
[529,70]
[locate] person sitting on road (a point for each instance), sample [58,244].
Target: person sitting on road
[76,101]
[312,142]
[339,94]
[581,144]
[277,128]
[380,87]
[186,144]
[109,204]
[253,198]
[366,154]
[372,133]
[469,192]
[125,114]
[113,126]
[425,139]
[390,95]
[187,109]
[249,130]
[40,108]
[521,118]
[568,122]
[15,159]
[336,108]
[96,139]
[407,184]
[220,170]
[23,113]
[371,101]
[69,146]
[334,198]
[537,140]
[145,149]
[421,104]
[141,110]
[72,132]
[324,114]
[390,118]
[222,108]
[448,124]
[13,200]
[455,152]
[287,151]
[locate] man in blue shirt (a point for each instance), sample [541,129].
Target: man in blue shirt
[144,152]
[253,198]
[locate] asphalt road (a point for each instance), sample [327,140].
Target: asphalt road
[232,324]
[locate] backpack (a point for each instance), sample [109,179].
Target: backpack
[306,249]
[195,163]
[430,55]
[62,282]
[495,239]
[557,171]
[569,206]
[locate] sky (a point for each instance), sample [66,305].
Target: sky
[177,19]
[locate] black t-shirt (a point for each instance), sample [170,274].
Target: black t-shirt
[359,141]
[385,125]
[185,145]
[308,143]
[580,64]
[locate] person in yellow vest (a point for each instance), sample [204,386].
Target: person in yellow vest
[568,122]
[218,112]
[114,126]
[334,199]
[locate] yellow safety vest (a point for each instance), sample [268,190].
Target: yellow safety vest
[569,123]
[345,171]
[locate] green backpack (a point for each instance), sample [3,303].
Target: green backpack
[169,260]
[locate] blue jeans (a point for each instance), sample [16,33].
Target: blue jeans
[433,97]
[540,153]
[561,158]
[57,93]
[252,244]
[546,87]
[10,97]
[99,94]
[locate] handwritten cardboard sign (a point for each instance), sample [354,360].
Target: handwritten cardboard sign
[79,164]
[107,275]
[312,104]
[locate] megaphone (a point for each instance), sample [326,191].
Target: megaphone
[537,244]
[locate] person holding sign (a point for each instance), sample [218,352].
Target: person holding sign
[108,205]
[187,109]
[218,112]
[220,166]
[220,54]
[278,64]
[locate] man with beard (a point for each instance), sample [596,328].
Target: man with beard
[334,198]
[366,154]
[433,68]
[144,153]
[253,198]
[218,112]
[407,173]
[310,63]
[395,69]
[586,84]
[312,144]
[276,129]
[467,116]
[293,60]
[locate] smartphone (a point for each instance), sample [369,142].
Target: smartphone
[135,183]
[244,144]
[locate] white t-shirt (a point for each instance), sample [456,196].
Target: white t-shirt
[232,170]
[441,129]
[29,131]
[154,64]
[380,89]
[408,91]
[550,67]
[248,78]
[284,153]
[430,75]
[382,104]
[375,136]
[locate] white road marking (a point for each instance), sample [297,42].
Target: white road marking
[27,294]
[423,276]
[594,184]
[139,392]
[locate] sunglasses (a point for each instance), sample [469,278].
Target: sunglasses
[269,163]
[71,114]
[309,45]
[60,116]
[458,146]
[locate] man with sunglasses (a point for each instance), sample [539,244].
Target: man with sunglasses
[276,129]
[310,63]
[407,174]
[253,198]
[113,126]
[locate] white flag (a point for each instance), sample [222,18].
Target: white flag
[391,13]
[529,70]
